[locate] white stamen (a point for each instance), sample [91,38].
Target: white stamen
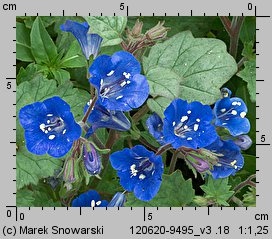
[42,127]
[98,203]
[239,103]
[128,81]
[64,131]
[185,127]
[127,75]
[49,129]
[224,123]
[233,162]
[184,118]
[123,84]
[196,127]
[92,203]
[49,115]
[243,114]
[227,118]
[197,120]
[234,103]
[52,136]
[174,123]
[133,170]
[234,112]
[111,73]
[48,121]
[189,138]
[46,131]
[142,176]
[223,110]
[189,112]
[119,97]
[101,82]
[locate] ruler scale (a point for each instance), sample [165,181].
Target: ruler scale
[126,222]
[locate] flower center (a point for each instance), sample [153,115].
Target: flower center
[53,124]
[142,168]
[112,85]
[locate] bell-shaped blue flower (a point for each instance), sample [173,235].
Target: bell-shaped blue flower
[243,142]
[155,127]
[91,159]
[230,113]
[230,159]
[118,200]
[140,171]
[49,127]
[89,43]
[89,199]
[118,81]
[188,124]
[100,117]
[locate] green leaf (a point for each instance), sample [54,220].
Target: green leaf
[30,72]
[217,190]
[73,57]
[191,68]
[24,198]
[109,28]
[42,46]
[248,74]
[23,48]
[249,199]
[248,30]
[30,168]
[174,192]
[61,76]
[158,105]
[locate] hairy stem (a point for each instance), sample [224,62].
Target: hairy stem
[163,148]
[87,114]
[147,144]
[137,116]
[173,162]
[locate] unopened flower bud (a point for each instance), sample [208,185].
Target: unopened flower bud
[137,29]
[69,170]
[118,200]
[200,164]
[91,159]
[243,142]
[157,32]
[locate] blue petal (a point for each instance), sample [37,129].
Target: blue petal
[230,113]
[118,200]
[56,106]
[122,160]
[84,200]
[89,43]
[59,146]
[100,117]
[36,142]
[231,160]
[155,127]
[188,124]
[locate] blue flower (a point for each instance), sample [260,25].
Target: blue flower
[49,127]
[243,142]
[229,156]
[118,81]
[100,117]
[140,171]
[188,124]
[230,114]
[89,43]
[155,127]
[91,159]
[118,200]
[89,199]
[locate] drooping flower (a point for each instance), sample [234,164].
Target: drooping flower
[118,81]
[188,124]
[140,171]
[155,127]
[230,113]
[91,159]
[230,159]
[89,199]
[118,200]
[49,127]
[243,142]
[100,117]
[89,42]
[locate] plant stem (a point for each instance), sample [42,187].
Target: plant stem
[163,148]
[87,114]
[148,145]
[137,116]
[173,162]
[97,141]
